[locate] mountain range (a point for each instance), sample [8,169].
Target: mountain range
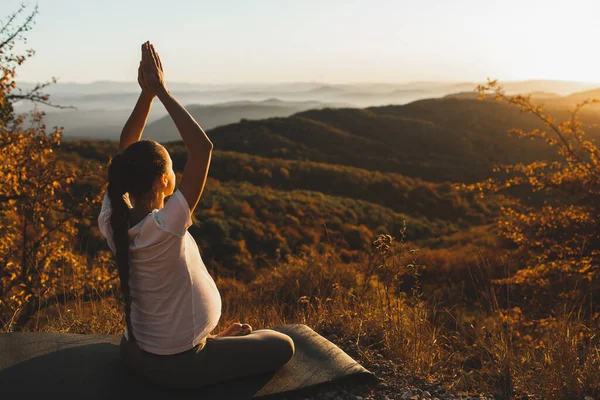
[101,108]
[280,185]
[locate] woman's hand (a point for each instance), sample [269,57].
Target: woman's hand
[145,89]
[150,73]
[134,127]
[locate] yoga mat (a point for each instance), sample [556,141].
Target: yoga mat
[89,366]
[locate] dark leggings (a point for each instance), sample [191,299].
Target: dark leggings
[214,360]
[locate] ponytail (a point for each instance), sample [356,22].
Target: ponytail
[133,172]
[117,187]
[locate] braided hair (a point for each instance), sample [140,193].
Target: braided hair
[135,172]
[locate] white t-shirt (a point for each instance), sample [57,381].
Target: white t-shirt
[175,302]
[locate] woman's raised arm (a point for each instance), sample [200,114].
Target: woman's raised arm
[134,127]
[198,144]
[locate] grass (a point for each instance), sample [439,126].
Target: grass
[505,350]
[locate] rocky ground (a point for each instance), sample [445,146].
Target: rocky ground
[391,388]
[392,384]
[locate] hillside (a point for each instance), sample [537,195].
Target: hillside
[437,140]
[103,107]
[261,203]
[214,115]
[103,116]
[282,186]
[418,198]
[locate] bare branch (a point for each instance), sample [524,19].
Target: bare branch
[24,27]
[11,18]
[35,96]
[38,99]
[549,122]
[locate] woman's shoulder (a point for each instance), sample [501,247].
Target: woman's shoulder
[175,216]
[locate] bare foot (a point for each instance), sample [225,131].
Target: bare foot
[236,329]
[246,329]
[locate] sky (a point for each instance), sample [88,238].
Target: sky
[336,41]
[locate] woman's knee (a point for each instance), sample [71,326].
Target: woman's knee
[281,345]
[288,347]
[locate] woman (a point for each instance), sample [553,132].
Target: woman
[171,301]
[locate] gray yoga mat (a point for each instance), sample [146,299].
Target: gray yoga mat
[89,366]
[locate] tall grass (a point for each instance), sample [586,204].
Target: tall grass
[375,309]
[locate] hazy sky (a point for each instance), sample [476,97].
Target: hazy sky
[227,41]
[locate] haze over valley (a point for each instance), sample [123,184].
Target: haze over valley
[103,107]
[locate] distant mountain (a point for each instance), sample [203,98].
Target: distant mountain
[475,95]
[210,116]
[462,95]
[446,139]
[356,94]
[91,124]
[544,95]
[553,100]
[103,106]
[582,96]
[327,89]
[554,86]
[100,123]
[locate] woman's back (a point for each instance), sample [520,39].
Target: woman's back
[175,302]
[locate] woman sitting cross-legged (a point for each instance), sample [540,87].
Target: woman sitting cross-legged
[171,302]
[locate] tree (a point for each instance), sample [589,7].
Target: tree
[559,239]
[38,213]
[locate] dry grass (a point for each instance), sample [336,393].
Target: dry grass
[490,348]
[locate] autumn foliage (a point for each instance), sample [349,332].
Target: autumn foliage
[555,227]
[39,211]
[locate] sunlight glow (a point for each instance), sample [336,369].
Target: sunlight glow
[333,41]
